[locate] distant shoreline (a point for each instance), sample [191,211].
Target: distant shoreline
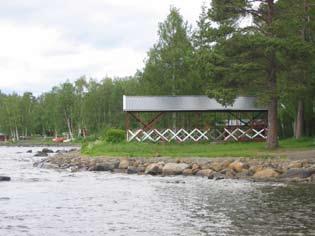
[39,145]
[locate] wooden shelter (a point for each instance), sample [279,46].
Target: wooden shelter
[3,137]
[245,120]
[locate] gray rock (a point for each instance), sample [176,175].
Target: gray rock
[41,154]
[5,178]
[140,169]
[98,168]
[132,170]
[46,150]
[174,168]
[108,165]
[217,176]
[29,151]
[298,173]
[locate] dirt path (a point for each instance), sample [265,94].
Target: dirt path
[299,155]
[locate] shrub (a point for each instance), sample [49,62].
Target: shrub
[115,136]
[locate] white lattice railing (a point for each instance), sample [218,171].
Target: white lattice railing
[182,135]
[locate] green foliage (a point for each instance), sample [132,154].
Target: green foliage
[115,136]
[169,67]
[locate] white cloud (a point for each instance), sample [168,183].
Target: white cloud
[43,43]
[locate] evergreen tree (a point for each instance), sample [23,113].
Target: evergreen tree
[169,68]
[247,54]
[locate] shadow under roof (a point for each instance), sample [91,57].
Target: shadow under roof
[186,103]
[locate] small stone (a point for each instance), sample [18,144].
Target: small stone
[218,176]
[73,169]
[5,178]
[29,151]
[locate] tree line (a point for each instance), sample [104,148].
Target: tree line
[263,48]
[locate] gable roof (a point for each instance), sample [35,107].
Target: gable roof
[186,103]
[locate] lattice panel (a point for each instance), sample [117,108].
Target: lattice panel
[182,135]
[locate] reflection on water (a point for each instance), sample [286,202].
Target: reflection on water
[49,202]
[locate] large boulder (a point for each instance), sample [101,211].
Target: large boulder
[174,168]
[105,166]
[266,173]
[299,173]
[295,164]
[154,169]
[123,164]
[238,166]
[5,178]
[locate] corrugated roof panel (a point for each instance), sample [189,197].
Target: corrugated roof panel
[186,103]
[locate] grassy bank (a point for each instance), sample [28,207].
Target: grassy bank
[193,149]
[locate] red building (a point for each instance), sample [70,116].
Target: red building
[3,137]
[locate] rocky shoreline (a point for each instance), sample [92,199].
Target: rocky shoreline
[275,169]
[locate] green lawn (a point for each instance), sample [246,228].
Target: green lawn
[248,149]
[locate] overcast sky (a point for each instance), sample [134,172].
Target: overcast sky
[46,42]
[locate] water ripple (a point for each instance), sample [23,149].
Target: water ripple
[48,202]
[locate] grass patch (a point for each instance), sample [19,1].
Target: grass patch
[246,149]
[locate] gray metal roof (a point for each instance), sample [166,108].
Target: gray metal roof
[186,103]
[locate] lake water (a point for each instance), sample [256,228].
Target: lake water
[49,202]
